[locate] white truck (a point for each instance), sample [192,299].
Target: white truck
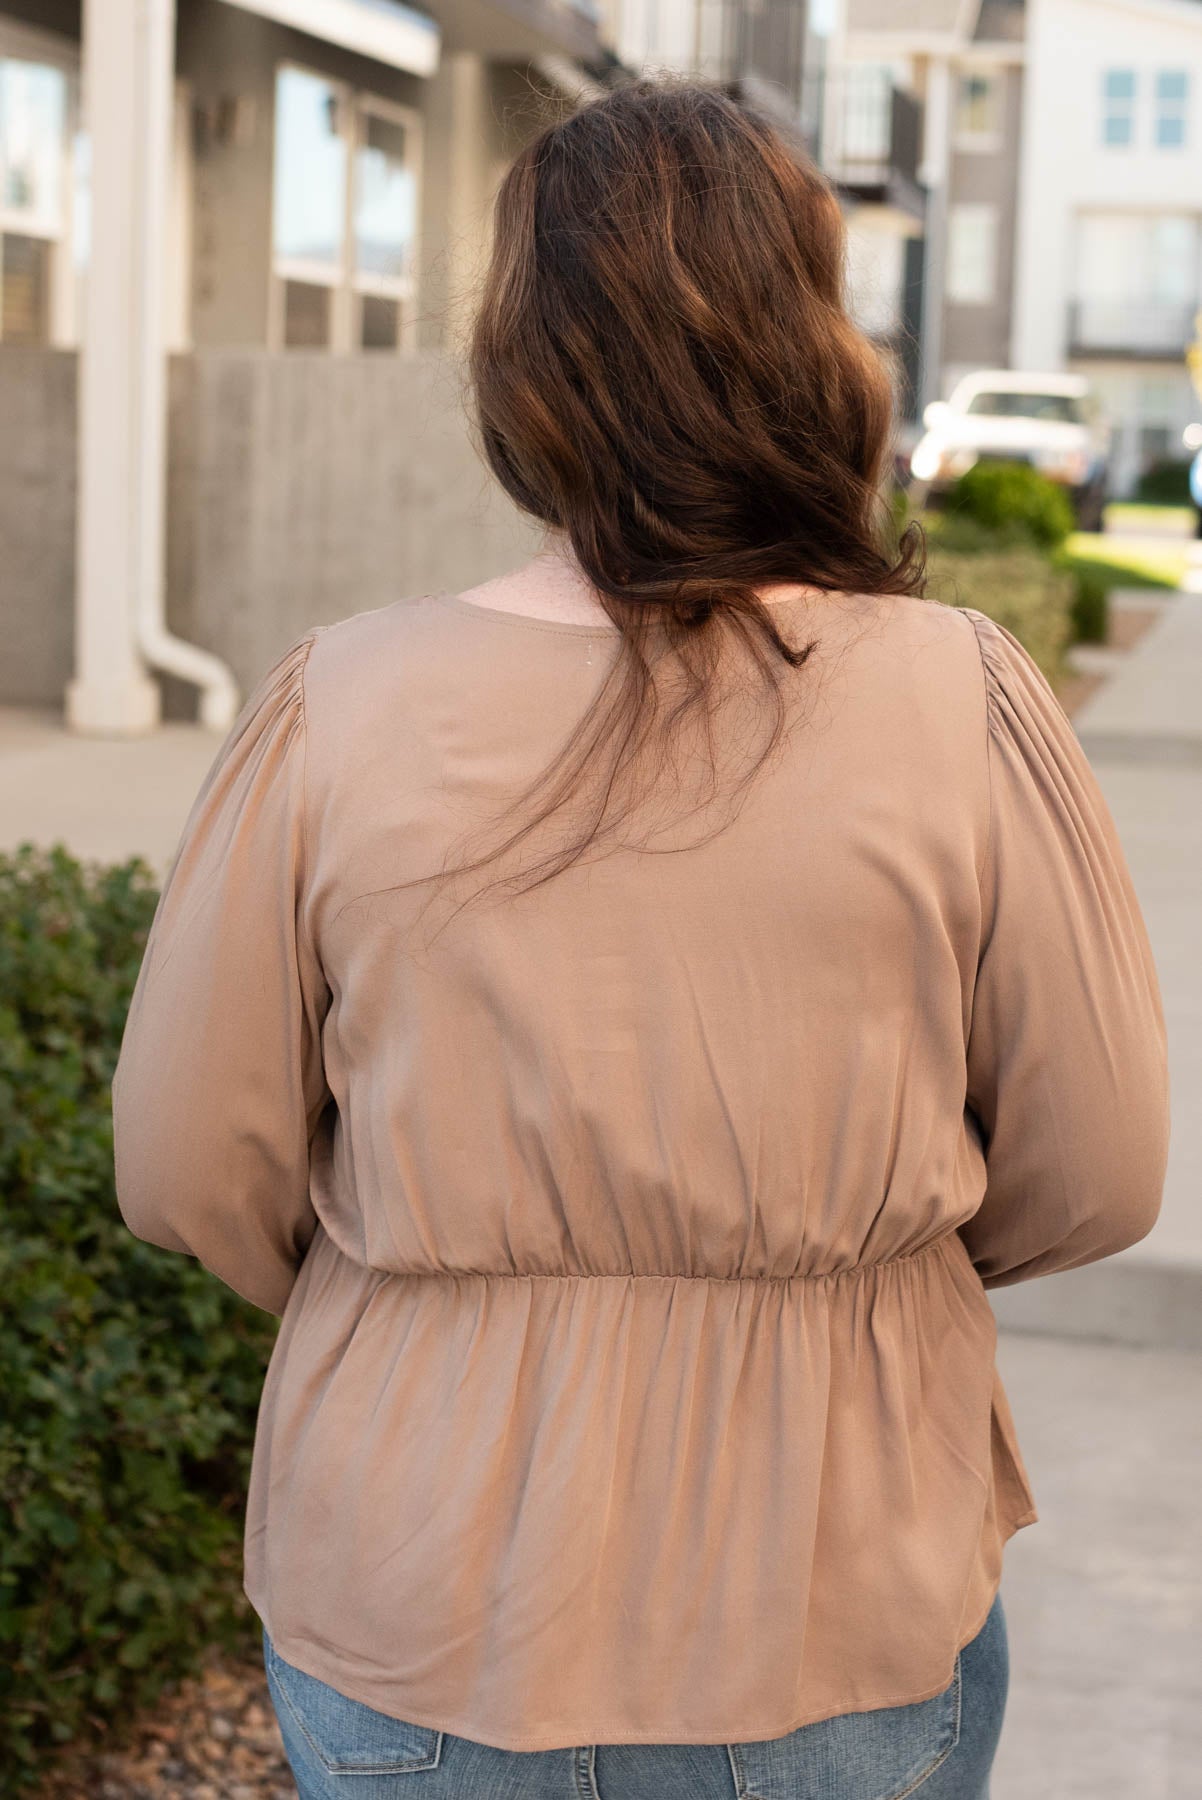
[1053,422]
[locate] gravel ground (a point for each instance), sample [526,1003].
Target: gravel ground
[213,1737]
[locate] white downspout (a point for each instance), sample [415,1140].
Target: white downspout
[120,606]
[934,174]
[218,689]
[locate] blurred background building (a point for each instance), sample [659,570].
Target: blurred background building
[239,242]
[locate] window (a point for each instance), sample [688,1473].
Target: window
[1118,107]
[347,173]
[309,204]
[386,187]
[978,111]
[34,181]
[1059,409]
[1137,277]
[1172,99]
[972,253]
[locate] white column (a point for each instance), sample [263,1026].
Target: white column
[1043,274]
[934,176]
[128,78]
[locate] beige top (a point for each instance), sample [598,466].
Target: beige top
[636,1376]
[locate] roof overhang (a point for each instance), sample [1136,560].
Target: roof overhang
[386,30]
[520,30]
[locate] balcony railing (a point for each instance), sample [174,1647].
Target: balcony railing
[1131,327]
[868,135]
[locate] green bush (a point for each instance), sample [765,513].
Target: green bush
[130,1378]
[1165,483]
[1017,586]
[1002,496]
[1089,614]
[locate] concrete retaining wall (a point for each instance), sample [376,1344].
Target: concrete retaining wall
[305,488]
[301,488]
[37,523]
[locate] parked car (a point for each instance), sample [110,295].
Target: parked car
[1193,441]
[1053,422]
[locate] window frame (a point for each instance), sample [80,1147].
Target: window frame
[401,288]
[987,141]
[1171,110]
[29,43]
[346,286]
[331,276]
[1119,108]
[986,210]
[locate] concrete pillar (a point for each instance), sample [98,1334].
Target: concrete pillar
[128,75]
[934,175]
[459,159]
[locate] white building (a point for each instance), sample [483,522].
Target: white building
[963,60]
[1109,262]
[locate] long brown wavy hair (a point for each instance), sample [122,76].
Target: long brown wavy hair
[664,372]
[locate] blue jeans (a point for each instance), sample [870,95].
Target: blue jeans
[943,1747]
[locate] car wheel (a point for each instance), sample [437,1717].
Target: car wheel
[1090,508]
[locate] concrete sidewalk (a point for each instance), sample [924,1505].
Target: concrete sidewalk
[107,798]
[1103,1594]
[1143,733]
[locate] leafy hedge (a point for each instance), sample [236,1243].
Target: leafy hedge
[1001,546]
[1018,587]
[1013,497]
[1165,483]
[130,1378]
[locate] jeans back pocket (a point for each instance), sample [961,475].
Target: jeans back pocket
[343,1736]
[884,1754]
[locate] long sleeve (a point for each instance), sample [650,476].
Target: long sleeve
[219,1084]
[1067,1060]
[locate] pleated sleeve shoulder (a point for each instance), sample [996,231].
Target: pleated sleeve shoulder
[1067,1062]
[219,1084]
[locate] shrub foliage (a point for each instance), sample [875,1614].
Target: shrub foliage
[1005,496]
[1165,483]
[1018,587]
[130,1378]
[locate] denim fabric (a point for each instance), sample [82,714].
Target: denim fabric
[943,1747]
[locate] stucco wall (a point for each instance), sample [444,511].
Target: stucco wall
[978,336]
[1065,166]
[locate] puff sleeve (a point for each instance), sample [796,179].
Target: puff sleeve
[219,1083]
[1067,1059]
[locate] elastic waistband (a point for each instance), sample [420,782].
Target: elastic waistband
[854,1269]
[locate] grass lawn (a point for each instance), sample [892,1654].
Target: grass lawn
[1162,521]
[1128,561]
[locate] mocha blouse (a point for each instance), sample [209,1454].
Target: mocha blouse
[631,1236]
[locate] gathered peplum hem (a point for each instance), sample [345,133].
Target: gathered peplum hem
[541,1500]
